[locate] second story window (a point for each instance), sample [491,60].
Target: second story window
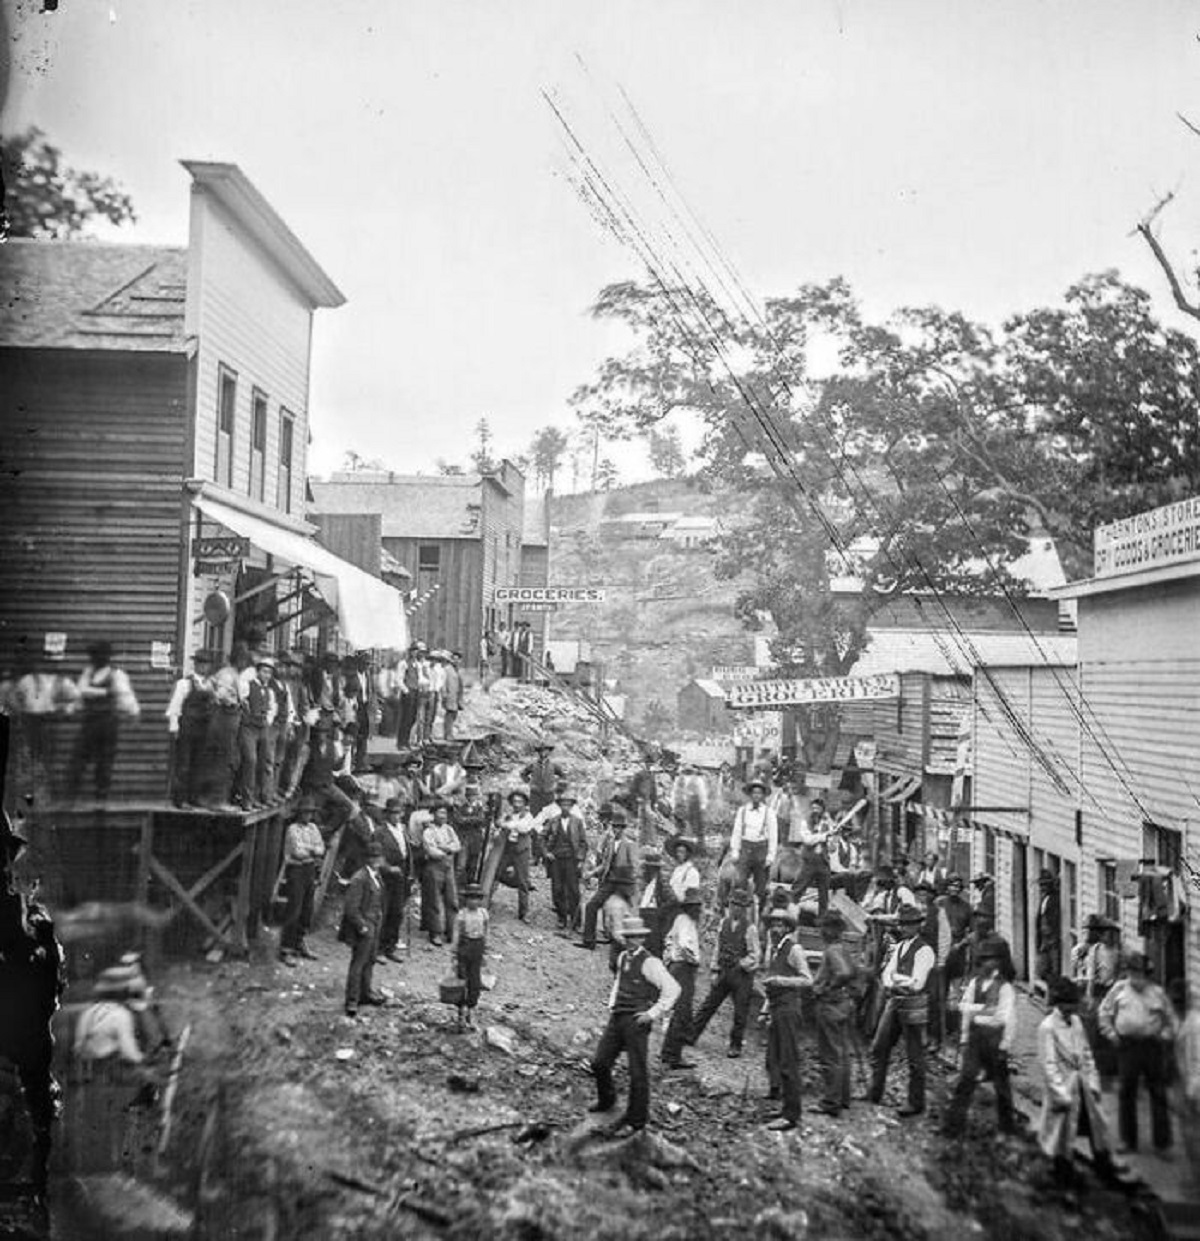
[429,558]
[258,445]
[287,434]
[226,420]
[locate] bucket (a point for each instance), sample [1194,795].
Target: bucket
[452,990]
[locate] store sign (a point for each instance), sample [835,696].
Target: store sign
[213,554]
[55,645]
[762,732]
[812,689]
[725,673]
[548,594]
[1163,536]
[537,607]
[160,655]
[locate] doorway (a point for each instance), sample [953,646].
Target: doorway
[1020,906]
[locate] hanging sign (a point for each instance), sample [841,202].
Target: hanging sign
[55,645]
[219,552]
[160,655]
[812,689]
[725,673]
[548,594]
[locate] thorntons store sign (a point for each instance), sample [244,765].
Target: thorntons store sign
[1163,536]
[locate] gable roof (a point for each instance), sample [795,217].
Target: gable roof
[946,654]
[92,295]
[412,506]
[711,688]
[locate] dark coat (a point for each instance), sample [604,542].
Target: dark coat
[362,913]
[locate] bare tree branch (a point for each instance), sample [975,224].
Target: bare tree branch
[1189,124]
[1177,291]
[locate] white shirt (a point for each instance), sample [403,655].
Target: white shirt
[107,1029]
[1003,1017]
[753,825]
[912,983]
[683,941]
[653,971]
[683,877]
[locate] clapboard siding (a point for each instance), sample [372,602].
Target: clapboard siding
[252,319]
[93,452]
[902,746]
[1001,760]
[453,617]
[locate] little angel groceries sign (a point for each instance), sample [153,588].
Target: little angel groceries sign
[812,689]
[1162,536]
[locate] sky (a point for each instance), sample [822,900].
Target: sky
[974,155]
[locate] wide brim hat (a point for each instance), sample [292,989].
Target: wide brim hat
[473,889]
[910,914]
[307,802]
[954,881]
[692,899]
[1047,877]
[980,880]
[524,796]
[781,913]
[265,661]
[688,842]
[632,927]
[754,784]
[566,795]
[739,896]
[991,948]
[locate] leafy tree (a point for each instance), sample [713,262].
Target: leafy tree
[606,474]
[937,446]
[354,462]
[45,198]
[657,718]
[667,457]
[546,454]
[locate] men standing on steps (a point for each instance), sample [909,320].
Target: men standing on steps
[616,873]
[734,961]
[642,992]
[787,978]
[989,1028]
[754,840]
[906,1011]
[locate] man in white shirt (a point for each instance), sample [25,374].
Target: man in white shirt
[815,833]
[989,1029]
[754,841]
[642,993]
[681,956]
[905,977]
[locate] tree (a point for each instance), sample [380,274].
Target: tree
[667,457]
[922,465]
[45,198]
[354,463]
[481,457]
[605,474]
[546,453]
[657,719]
[447,467]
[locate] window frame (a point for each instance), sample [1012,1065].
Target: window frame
[287,435]
[424,567]
[256,486]
[227,380]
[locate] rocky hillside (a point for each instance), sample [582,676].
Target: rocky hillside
[665,617]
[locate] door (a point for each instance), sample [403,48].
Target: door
[1020,907]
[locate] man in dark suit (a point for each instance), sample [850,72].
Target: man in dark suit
[362,917]
[393,840]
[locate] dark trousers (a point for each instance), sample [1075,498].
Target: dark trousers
[251,743]
[607,888]
[783,1041]
[190,745]
[517,856]
[395,896]
[362,967]
[814,873]
[220,756]
[1139,1058]
[439,896]
[982,1052]
[268,762]
[564,890]
[833,1050]
[752,868]
[407,718]
[890,1030]
[96,746]
[468,964]
[679,1031]
[624,1034]
[300,881]
[731,981]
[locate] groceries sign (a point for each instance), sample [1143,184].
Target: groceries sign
[812,689]
[1162,536]
[548,594]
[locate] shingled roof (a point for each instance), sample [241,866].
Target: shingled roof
[92,295]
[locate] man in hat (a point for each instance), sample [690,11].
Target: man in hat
[815,834]
[958,913]
[303,849]
[258,707]
[564,843]
[453,693]
[543,776]
[189,714]
[989,1028]
[1098,959]
[396,874]
[439,895]
[1049,927]
[642,992]
[689,800]
[104,697]
[471,821]
[615,870]
[754,840]
[513,850]
[984,895]
[906,1011]
[681,955]
[787,977]
[734,960]
[362,918]
[304,715]
[684,874]
[448,776]
[1138,1019]
[387,784]
[835,995]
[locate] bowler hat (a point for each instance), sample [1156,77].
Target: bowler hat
[473,889]
[393,803]
[374,849]
[691,899]
[632,926]
[754,784]
[518,793]
[910,914]
[739,896]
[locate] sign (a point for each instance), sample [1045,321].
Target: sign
[1162,536]
[733,672]
[160,655]
[55,645]
[537,607]
[762,732]
[813,689]
[548,594]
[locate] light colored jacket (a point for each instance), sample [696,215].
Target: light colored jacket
[1069,1082]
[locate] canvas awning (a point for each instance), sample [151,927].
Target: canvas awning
[370,613]
[902,790]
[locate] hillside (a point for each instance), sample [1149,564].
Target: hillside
[665,617]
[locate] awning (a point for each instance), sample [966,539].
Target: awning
[370,613]
[902,790]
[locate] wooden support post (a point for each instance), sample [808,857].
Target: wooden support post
[163,874]
[245,887]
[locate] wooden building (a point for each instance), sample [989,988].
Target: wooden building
[459,537]
[154,433]
[700,708]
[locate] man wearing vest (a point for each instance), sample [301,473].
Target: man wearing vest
[754,840]
[989,1027]
[734,961]
[258,711]
[906,1011]
[834,989]
[616,870]
[195,710]
[564,841]
[815,835]
[787,977]
[642,992]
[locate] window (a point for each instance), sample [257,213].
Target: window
[1106,886]
[258,445]
[989,851]
[226,419]
[1161,845]
[429,558]
[287,434]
